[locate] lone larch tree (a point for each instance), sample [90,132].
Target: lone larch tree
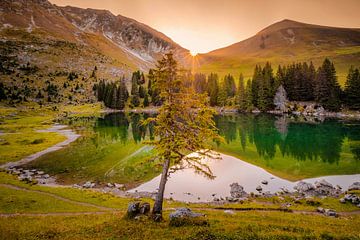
[184,125]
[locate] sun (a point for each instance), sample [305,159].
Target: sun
[193,53]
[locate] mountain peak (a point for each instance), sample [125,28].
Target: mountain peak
[285,23]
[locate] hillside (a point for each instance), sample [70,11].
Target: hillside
[43,43]
[286,42]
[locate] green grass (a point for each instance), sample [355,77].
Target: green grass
[19,201]
[19,127]
[249,225]
[241,225]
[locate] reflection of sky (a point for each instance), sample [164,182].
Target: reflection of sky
[227,171]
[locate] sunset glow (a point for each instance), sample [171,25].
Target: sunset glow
[205,25]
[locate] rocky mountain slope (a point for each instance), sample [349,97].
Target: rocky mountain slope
[41,44]
[286,42]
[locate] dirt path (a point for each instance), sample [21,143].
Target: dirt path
[53,214]
[70,135]
[59,197]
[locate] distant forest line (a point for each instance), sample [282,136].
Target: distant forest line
[301,81]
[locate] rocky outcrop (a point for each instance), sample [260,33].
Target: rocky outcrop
[320,188]
[354,186]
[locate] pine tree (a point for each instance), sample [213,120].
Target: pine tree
[146,102]
[199,83]
[327,88]
[240,95]
[2,92]
[352,89]
[229,85]
[213,88]
[248,96]
[222,95]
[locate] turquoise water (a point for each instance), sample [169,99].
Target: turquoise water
[112,148]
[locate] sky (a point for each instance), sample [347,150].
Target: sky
[205,25]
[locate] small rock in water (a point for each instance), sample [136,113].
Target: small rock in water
[264,182]
[259,188]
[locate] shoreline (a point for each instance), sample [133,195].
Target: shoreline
[70,135]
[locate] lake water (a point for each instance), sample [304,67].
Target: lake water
[186,185]
[279,149]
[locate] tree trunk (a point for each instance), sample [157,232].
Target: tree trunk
[160,196]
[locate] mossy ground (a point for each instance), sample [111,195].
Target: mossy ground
[111,224]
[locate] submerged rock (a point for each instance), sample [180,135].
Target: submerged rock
[259,188]
[264,182]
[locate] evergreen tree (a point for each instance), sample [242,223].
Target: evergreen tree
[146,102]
[241,101]
[248,97]
[2,92]
[352,89]
[142,91]
[199,83]
[213,88]
[229,85]
[179,129]
[222,95]
[153,90]
[327,88]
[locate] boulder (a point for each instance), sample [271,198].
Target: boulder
[303,187]
[264,182]
[88,185]
[110,185]
[320,210]
[133,209]
[354,186]
[323,183]
[144,208]
[118,186]
[330,213]
[137,209]
[237,191]
[184,212]
[184,216]
[325,188]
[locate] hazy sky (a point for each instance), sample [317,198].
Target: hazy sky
[205,25]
